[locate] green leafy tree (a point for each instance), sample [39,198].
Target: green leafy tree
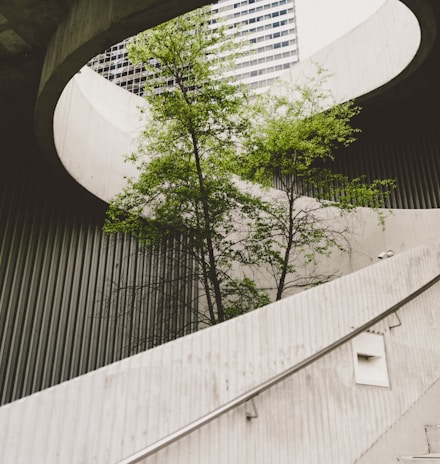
[200,135]
[185,162]
[294,143]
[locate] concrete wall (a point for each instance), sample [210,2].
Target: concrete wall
[407,436]
[96,124]
[319,415]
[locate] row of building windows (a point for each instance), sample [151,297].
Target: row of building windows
[262,83]
[268,16]
[252,11]
[275,35]
[116,52]
[266,59]
[266,27]
[266,6]
[275,46]
[261,71]
[127,69]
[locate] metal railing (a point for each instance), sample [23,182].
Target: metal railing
[251,394]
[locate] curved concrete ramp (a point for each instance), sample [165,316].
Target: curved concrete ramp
[96,123]
[90,27]
[371,58]
[367,58]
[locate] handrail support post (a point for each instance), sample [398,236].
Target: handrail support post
[399,323]
[251,414]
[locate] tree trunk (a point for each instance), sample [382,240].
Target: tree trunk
[290,233]
[211,271]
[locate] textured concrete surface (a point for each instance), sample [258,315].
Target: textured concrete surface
[317,415]
[407,438]
[369,58]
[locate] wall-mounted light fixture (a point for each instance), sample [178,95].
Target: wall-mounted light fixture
[370,363]
[385,254]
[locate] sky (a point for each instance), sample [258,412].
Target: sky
[320,22]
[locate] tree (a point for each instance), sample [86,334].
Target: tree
[294,142]
[185,161]
[200,136]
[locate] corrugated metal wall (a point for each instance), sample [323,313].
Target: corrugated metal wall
[71,298]
[411,157]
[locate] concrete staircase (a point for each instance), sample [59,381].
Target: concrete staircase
[433,456]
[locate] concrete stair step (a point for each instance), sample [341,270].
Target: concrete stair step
[433,438]
[432,433]
[432,458]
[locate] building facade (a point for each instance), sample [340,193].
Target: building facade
[269,28]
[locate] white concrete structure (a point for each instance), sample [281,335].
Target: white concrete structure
[369,57]
[330,19]
[318,415]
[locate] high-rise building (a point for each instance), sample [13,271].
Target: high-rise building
[269,26]
[113,64]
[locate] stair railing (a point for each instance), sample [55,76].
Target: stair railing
[254,392]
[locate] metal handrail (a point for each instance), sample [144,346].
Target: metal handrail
[249,395]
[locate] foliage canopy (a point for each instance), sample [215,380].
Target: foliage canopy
[293,144]
[202,133]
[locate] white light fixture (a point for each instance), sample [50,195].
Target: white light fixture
[385,254]
[370,364]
